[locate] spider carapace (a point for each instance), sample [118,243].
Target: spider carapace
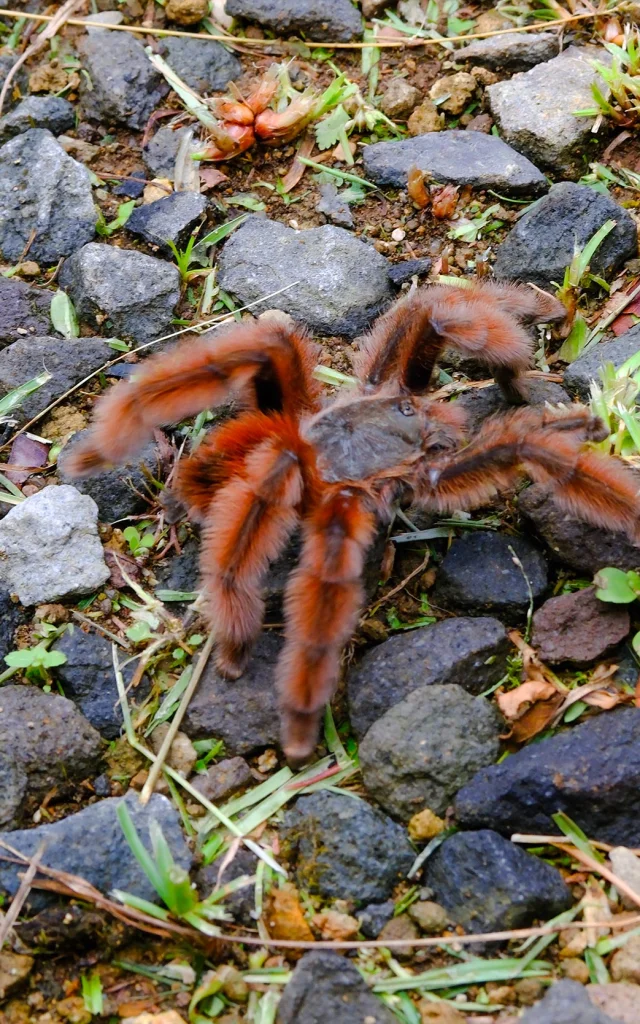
[335,470]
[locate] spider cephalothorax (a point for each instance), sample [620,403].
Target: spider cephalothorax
[286,461]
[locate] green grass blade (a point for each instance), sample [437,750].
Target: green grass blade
[138,849]
[16,397]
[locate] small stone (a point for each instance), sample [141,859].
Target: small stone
[400,273]
[472,653]
[341,283]
[534,110]
[454,92]
[480,123]
[566,1002]
[575,969]
[243,712]
[585,370]
[439,1012]
[401,927]
[88,680]
[567,772]
[492,21]
[335,926]
[425,748]
[45,199]
[285,917]
[617,999]
[454,158]
[328,987]
[182,754]
[51,112]
[513,51]
[22,307]
[333,20]
[48,743]
[50,548]
[166,1017]
[487,883]
[336,209]
[168,220]
[584,548]
[542,243]
[578,627]
[204,66]
[484,77]
[425,118]
[425,825]
[121,85]
[625,962]
[186,12]
[374,917]
[399,99]
[161,150]
[91,844]
[478,574]
[528,991]
[398,234]
[137,293]
[626,865]
[345,849]
[430,917]
[14,969]
[224,779]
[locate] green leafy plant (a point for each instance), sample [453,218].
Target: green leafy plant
[617,587]
[172,882]
[468,229]
[36,661]
[614,400]
[124,212]
[426,617]
[183,257]
[139,543]
[92,994]
[577,277]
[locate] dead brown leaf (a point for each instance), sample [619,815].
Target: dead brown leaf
[535,720]
[210,177]
[514,703]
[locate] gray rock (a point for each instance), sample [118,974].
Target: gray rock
[580,374]
[478,575]
[327,987]
[48,741]
[20,82]
[222,780]
[404,271]
[125,87]
[480,403]
[339,282]
[334,207]
[456,158]
[471,653]
[424,749]
[514,51]
[535,111]
[205,66]
[43,190]
[49,546]
[489,884]
[88,680]
[542,243]
[591,771]
[244,712]
[181,572]
[161,150]
[241,904]
[374,917]
[91,844]
[336,20]
[137,293]
[67,360]
[12,615]
[117,493]
[578,627]
[51,112]
[23,310]
[573,543]
[343,849]
[168,220]
[566,1002]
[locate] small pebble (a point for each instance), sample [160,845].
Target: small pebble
[430,917]
[398,234]
[425,825]
[576,970]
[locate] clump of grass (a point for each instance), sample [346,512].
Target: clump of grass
[621,103]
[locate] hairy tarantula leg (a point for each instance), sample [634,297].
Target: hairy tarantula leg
[268,360]
[323,598]
[403,347]
[249,522]
[548,447]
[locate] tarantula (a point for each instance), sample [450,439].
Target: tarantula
[337,469]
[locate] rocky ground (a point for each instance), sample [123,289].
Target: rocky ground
[488,688]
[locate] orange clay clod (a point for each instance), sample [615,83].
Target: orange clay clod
[336,470]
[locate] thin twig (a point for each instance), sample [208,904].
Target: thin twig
[400,586]
[600,869]
[161,756]
[537,840]
[17,903]
[96,625]
[379,42]
[55,23]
